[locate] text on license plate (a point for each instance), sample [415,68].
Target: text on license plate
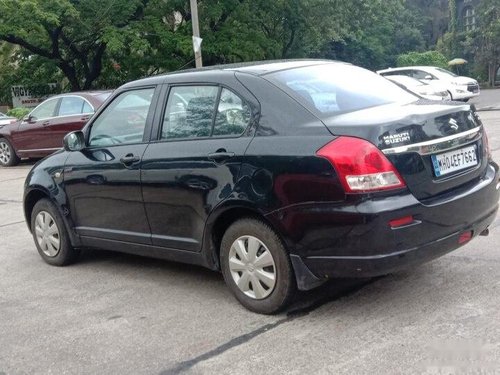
[453,161]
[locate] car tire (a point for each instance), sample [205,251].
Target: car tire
[8,156]
[252,257]
[50,235]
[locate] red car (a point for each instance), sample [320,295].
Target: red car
[42,131]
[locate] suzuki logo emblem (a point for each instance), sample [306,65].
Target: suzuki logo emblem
[453,124]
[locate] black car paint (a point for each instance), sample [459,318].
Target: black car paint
[274,174]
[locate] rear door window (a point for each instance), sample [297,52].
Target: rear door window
[233,115]
[204,111]
[71,105]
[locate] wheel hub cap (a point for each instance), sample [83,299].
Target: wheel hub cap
[47,234]
[4,153]
[252,267]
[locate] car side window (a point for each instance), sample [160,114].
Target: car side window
[123,121]
[189,113]
[420,74]
[71,105]
[233,115]
[87,108]
[45,110]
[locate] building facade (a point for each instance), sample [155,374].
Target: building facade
[466,14]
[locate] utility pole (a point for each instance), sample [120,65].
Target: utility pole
[196,33]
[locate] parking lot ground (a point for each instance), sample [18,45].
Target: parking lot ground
[489,99]
[120,314]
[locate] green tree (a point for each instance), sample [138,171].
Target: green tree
[429,58]
[73,35]
[379,31]
[487,38]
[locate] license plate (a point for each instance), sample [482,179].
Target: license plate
[453,161]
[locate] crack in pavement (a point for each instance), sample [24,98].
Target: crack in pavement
[6,225]
[10,201]
[246,337]
[13,179]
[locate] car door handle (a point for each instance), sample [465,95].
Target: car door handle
[220,156]
[46,123]
[130,159]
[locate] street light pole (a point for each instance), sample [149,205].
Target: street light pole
[196,33]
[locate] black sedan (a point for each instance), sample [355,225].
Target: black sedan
[281,175]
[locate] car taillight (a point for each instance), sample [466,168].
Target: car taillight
[486,145]
[361,166]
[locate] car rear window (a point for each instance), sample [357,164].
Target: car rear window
[339,88]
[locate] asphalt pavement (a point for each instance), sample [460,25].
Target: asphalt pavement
[120,314]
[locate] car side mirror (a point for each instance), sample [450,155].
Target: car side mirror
[429,77]
[74,141]
[29,119]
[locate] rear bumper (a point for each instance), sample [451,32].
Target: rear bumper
[356,240]
[382,264]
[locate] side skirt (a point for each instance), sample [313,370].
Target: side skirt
[151,251]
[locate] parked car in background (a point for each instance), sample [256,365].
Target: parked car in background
[5,120]
[423,89]
[282,175]
[41,132]
[460,88]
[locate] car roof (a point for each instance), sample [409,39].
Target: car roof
[406,68]
[257,68]
[83,93]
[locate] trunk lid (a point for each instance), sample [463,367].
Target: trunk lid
[435,146]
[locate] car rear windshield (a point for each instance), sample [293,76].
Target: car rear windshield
[332,89]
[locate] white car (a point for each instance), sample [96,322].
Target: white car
[6,120]
[460,88]
[423,89]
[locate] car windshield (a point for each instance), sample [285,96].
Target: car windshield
[447,72]
[339,88]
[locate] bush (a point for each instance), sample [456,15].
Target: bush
[429,58]
[18,112]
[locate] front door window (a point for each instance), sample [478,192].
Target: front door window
[124,120]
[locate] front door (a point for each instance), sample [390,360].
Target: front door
[194,165]
[73,114]
[103,180]
[33,136]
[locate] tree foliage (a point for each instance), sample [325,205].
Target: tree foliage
[102,43]
[428,58]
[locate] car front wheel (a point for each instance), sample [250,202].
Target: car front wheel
[50,235]
[256,266]
[8,157]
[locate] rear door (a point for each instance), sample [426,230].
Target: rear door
[203,132]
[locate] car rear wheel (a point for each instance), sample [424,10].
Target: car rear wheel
[256,266]
[50,235]
[8,157]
